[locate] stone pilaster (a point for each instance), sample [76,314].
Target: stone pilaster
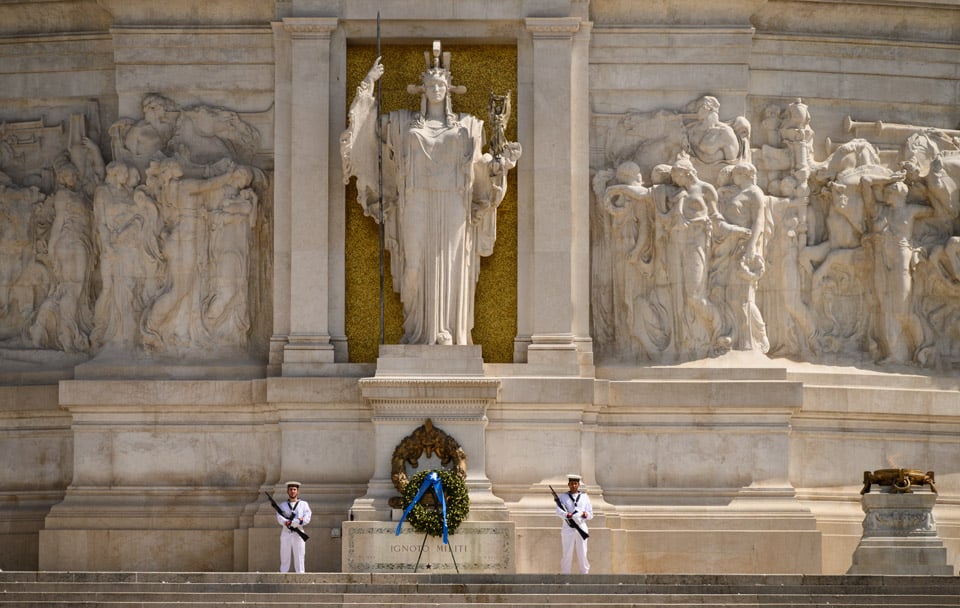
[309,344]
[559,256]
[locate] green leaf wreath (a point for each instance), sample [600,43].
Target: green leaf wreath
[428,520]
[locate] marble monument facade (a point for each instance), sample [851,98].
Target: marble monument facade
[720,281]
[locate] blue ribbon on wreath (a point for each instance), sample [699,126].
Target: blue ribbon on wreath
[430,482]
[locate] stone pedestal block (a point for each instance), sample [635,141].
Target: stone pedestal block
[446,385]
[900,536]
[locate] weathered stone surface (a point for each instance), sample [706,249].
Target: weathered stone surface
[736,248]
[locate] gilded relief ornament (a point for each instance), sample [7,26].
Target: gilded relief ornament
[425,441]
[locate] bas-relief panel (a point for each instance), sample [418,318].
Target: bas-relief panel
[151,251]
[710,235]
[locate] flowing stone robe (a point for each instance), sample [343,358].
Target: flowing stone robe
[440,198]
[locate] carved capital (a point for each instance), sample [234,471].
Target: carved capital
[301,28]
[563,27]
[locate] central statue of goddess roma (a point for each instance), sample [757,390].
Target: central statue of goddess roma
[440,198]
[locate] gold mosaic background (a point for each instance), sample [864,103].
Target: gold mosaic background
[481,69]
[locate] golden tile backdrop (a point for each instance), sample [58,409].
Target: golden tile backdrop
[481,69]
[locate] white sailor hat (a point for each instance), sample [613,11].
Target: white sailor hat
[295,484]
[573,477]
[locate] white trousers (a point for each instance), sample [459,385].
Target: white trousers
[291,545]
[571,541]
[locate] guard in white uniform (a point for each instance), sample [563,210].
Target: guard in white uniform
[290,541]
[576,507]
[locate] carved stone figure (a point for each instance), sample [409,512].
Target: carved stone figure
[205,139]
[139,142]
[937,278]
[740,257]
[17,255]
[631,205]
[790,326]
[713,141]
[93,267]
[173,322]
[440,198]
[692,216]
[896,329]
[840,257]
[797,136]
[127,227]
[65,318]
[232,217]
[940,188]
[85,156]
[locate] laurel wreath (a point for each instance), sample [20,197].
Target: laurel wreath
[428,520]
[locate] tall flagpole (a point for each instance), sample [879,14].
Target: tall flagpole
[380,177]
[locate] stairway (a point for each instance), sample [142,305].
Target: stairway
[325,590]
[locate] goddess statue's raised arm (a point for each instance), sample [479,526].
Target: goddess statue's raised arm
[358,143]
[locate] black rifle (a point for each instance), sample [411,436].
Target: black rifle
[286,516]
[573,524]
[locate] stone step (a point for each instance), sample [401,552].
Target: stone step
[453,589]
[540,599]
[274,590]
[408,603]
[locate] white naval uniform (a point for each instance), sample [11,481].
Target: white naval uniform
[570,539]
[290,541]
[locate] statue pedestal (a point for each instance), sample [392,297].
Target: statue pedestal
[900,536]
[414,360]
[446,385]
[477,547]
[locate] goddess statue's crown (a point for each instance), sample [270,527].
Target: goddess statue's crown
[438,68]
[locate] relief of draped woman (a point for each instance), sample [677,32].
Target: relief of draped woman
[739,256]
[688,217]
[65,318]
[127,225]
[232,217]
[173,322]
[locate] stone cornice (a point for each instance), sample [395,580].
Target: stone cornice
[466,397]
[429,390]
[427,381]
